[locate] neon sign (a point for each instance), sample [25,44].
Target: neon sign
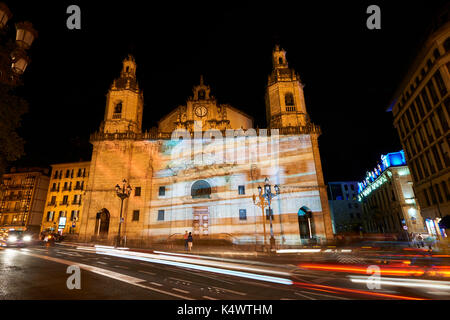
[387,160]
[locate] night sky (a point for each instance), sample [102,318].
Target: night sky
[350,73]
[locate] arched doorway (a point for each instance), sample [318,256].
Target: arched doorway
[201,189]
[102,223]
[305,223]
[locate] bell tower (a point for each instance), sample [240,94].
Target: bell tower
[124,102]
[285,103]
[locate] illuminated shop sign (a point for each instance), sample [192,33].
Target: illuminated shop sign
[387,160]
[371,187]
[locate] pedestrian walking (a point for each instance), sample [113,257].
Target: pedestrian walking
[186,240]
[190,241]
[420,240]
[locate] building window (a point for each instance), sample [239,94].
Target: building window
[74,215]
[445,152]
[430,162]
[53,200]
[441,117]
[118,108]
[160,215]
[79,173]
[50,215]
[162,191]
[425,99]
[426,197]
[76,199]
[433,196]
[65,199]
[137,191]
[67,173]
[135,215]
[201,94]
[438,192]
[420,106]
[436,157]
[241,190]
[440,83]
[444,187]
[55,176]
[242,214]
[289,99]
[432,91]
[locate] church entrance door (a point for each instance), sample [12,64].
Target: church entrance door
[201,222]
[102,223]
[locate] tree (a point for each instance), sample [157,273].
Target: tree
[12,108]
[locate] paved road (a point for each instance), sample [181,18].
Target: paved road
[40,273]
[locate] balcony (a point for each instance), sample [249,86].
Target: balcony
[15,209]
[78,188]
[50,203]
[63,203]
[67,189]
[76,202]
[13,197]
[117,115]
[54,190]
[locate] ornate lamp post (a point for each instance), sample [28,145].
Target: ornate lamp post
[262,204]
[13,56]
[267,197]
[123,193]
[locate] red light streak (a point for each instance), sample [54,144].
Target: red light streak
[376,294]
[409,271]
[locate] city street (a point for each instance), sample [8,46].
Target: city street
[40,272]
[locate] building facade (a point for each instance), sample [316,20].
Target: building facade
[22,198]
[199,169]
[346,210]
[65,197]
[388,200]
[421,111]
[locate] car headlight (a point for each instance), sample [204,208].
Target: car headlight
[12,239]
[27,238]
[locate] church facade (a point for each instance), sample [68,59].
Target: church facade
[200,169]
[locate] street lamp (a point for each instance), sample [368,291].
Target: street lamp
[262,204]
[25,34]
[5,14]
[267,197]
[13,56]
[123,193]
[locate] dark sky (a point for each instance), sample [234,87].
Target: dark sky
[350,73]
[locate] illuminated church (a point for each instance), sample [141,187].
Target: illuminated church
[200,168]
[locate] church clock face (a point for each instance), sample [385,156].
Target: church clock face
[201,111]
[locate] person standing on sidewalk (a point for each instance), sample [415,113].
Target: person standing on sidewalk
[186,240]
[190,241]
